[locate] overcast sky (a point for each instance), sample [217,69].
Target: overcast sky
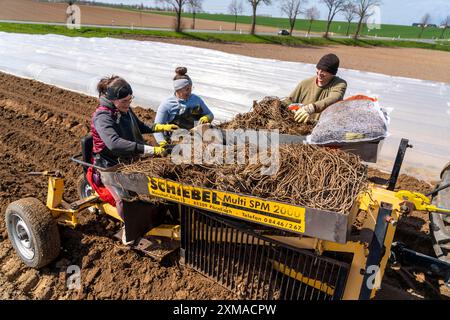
[392,11]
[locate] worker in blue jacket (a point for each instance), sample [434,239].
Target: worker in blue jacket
[183,109]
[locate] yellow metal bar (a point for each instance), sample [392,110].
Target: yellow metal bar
[165,230]
[109,210]
[372,198]
[420,201]
[67,217]
[387,244]
[299,276]
[355,277]
[55,193]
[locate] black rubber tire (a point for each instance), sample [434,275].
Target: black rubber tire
[83,188]
[440,223]
[42,227]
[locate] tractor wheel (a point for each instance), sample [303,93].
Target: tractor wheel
[33,232]
[84,188]
[440,223]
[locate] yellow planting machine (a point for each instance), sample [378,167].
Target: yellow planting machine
[257,248]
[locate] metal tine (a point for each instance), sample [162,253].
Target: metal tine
[187,233]
[255,260]
[309,277]
[252,258]
[301,283]
[190,234]
[245,251]
[339,275]
[233,258]
[289,277]
[271,270]
[226,246]
[261,259]
[203,241]
[276,274]
[205,236]
[233,241]
[316,291]
[225,258]
[283,273]
[295,279]
[219,252]
[268,250]
[191,237]
[207,244]
[317,265]
[211,247]
[216,249]
[197,231]
[194,230]
[246,273]
[223,247]
[323,286]
[241,254]
[214,229]
[274,251]
[229,256]
[330,278]
[200,241]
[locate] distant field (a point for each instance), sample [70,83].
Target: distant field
[213,37]
[386,30]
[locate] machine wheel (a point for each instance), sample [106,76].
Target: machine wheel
[85,190]
[440,223]
[33,232]
[83,187]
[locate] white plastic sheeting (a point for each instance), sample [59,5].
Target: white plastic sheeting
[229,83]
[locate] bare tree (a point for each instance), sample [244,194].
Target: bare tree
[292,8]
[363,11]
[445,24]
[195,6]
[424,22]
[178,7]
[334,7]
[349,12]
[311,15]
[255,4]
[235,8]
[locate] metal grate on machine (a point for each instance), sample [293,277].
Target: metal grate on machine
[254,266]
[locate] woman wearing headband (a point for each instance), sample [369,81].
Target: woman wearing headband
[184,108]
[116,131]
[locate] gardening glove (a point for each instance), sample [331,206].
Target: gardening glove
[158,151]
[149,150]
[205,119]
[157,127]
[302,115]
[163,143]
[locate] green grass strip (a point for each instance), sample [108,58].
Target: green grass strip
[213,37]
